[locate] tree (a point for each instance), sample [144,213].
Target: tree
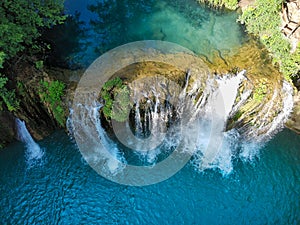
[22,22]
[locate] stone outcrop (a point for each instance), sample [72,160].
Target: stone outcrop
[36,114]
[290,16]
[294,122]
[25,80]
[7,131]
[291,29]
[243,4]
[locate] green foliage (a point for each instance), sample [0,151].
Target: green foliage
[8,97]
[260,92]
[21,22]
[39,64]
[263,20]
[237,115]
[51,94]
[116,100]
[21,88]
[2,57]
[229,4]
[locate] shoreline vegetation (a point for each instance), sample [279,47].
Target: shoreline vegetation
[28,84]
[263,21]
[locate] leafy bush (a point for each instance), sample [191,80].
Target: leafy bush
[260,92]
[39,64]
[116,100]
[21,22]
[51,94]
[263,20]
[2,57]
[8,97]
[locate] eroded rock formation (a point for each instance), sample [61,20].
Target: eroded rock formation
[290,15]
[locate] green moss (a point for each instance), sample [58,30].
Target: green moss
[122,105]
[237,116]
[51,94]
[260,92]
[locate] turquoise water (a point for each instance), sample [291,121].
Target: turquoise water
[63,189]
[112,23]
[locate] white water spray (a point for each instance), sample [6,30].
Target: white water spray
[214,144]
[33,150]
[203,109]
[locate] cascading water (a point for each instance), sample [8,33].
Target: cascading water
[33,151]
[213,146]
[286,109]
[89,120]
[198,119]
[272,114]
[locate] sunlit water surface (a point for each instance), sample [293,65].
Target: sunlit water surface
[63,189]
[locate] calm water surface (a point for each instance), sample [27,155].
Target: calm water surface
[185,22]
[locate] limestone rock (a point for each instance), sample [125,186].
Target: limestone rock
[243,4]
[294,122]
[291,22]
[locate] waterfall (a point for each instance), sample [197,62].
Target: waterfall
[88,118]
[196,121]
[33,150]
[214,145]
[286,109]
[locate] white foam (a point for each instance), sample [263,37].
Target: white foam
[33,150]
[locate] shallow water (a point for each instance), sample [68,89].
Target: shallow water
[185,22]
[65,190]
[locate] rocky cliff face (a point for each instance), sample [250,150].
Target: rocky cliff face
[294,122]
[7,131]
[291,29]
[290,16]
[25,79]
